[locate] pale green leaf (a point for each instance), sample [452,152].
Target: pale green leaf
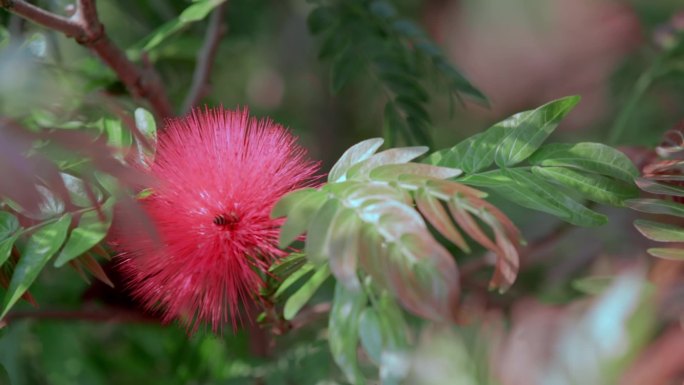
[656,206]
[343,248]
[78,191]
[593,285]
[299,217]
[394,171]
[40,246]
[590,157]
[305,292]
[392,156]
[526,131]
[343,331]
[674,253]
[355,154]
[370,333]
[659,188]
[660,232]
[288,201]
[319,231]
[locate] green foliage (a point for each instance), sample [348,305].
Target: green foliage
[372,216]
[195,12]
[39,248]
[557,173]
[369,35]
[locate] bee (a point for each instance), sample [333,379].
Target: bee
[224,220]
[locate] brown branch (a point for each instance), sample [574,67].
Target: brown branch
[205,59]
[80,315]
[85,27]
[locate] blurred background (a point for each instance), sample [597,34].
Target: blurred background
[519,53]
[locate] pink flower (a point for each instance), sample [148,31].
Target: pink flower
[218,175]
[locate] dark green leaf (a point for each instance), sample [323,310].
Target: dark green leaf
[344,67]
[320,19]
[333,44]
[660,232]
[8,224]
[305,292]
[526,131]
[590,157]
[91,230]
[531,191]
[343,331]
[40,246]
[6,248]
[594,187]
[294,278]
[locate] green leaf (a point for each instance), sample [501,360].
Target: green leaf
[299,217]
[370,333]
[533,192]
[193,13]
[455,156]
[343,248]
[8,225]
[593,285]
[344,67]
[78,191]
[305,292]
[319,232]
[659,188]
[320,19]
[343,331]
[288,201]
[40,246]
[91,230]
[590,157]
[392,156]
[674,254]
[355,154]
[526,131]
[394,171]
[660,232]
[656,206]
[146,125]
[294,278]
[6,248]
[594,187]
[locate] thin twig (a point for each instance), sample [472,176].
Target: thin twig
[85,27]
[205,58]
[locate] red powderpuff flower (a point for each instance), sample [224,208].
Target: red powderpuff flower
[218,174]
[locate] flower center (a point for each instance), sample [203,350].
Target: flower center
[227,221]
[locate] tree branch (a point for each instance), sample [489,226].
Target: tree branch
[80,315]
[205,59]
[42,17]
[85,27]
